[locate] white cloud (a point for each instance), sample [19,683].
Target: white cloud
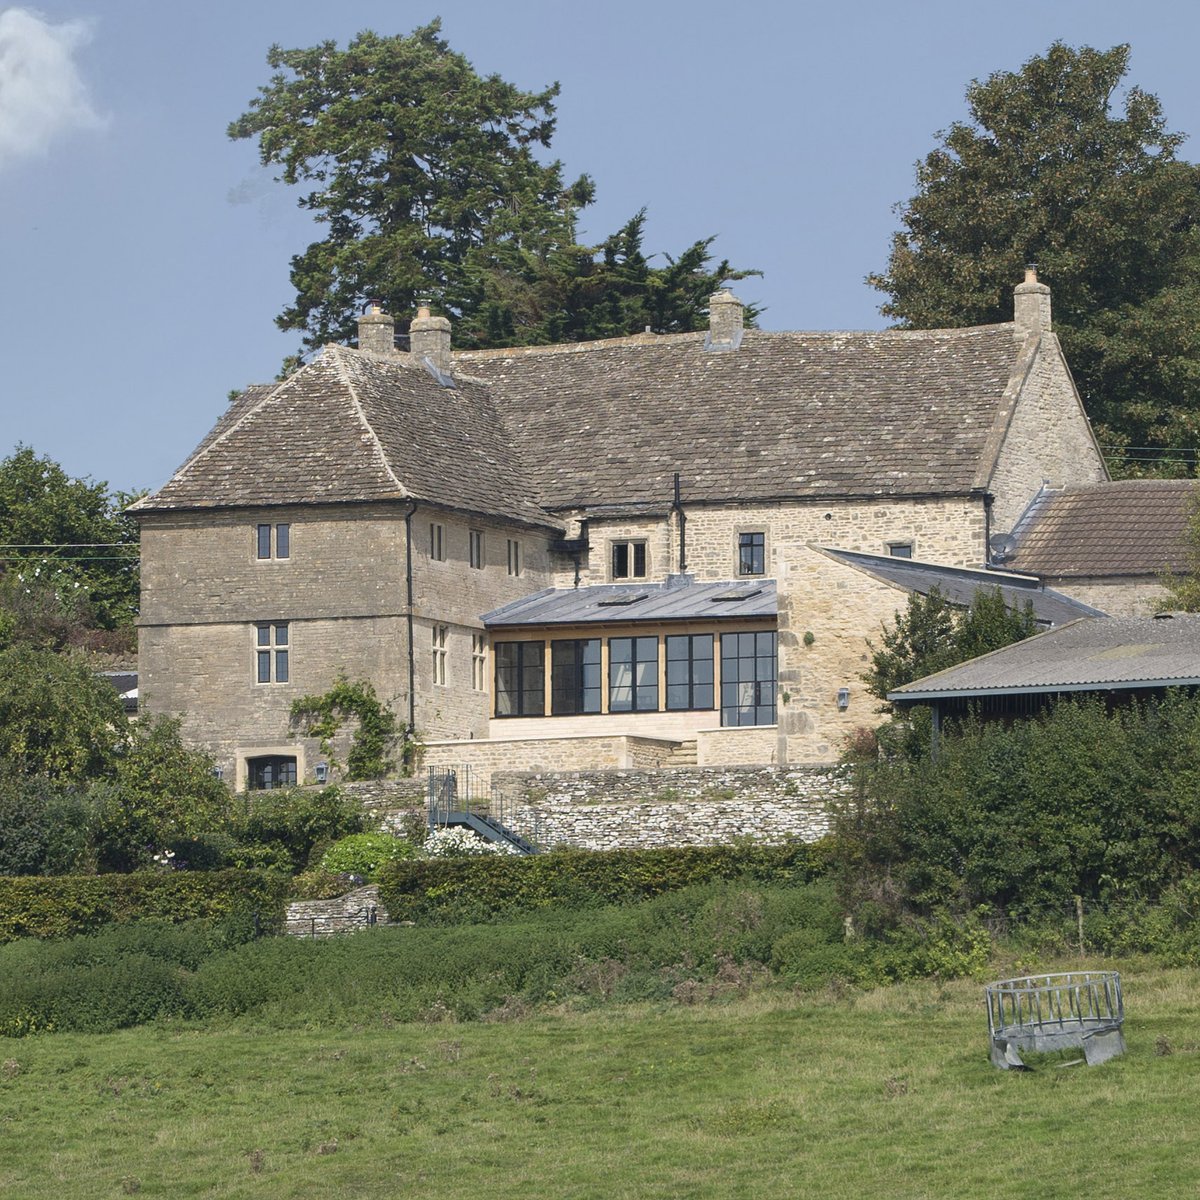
[41,92]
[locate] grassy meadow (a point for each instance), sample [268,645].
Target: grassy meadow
[764,1093]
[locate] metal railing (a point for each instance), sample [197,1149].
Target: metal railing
[453,792]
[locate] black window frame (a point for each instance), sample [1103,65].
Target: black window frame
[637,703]
[686,666]
[629,559]
[273,541]
[265,772]
[572,661]
[752,552]
[475,549]
[529,658]
[755,696]
[272,652]
[900,549]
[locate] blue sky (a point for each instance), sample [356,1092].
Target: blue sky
[144,255]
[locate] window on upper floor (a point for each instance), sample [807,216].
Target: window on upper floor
[441,636]
[479,662]
[514,556]
[629,560]
[271,655]
[273,541]
[475,548]
[437,541]
[752,553]
[520,679]
[900,549]
[690,671]
[575,676]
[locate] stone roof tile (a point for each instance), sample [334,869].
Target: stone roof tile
[1129,527]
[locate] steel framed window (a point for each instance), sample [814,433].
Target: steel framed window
[633,674]
[690,671]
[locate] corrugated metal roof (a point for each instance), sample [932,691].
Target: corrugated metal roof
[1091,654]
[959,585]
[679,599]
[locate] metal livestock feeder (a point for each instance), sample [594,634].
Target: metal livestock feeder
[1073,1010]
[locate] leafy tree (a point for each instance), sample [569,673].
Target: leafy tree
[68,554]
[57,720]
[933,634]
[1046,171]
[427,184]
[163,796]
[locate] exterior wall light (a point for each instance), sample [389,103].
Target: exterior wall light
[322,772]
[843,698]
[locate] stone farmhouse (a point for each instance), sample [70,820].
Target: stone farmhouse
[645,551]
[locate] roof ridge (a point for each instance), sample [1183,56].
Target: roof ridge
[339,361]
[657,339]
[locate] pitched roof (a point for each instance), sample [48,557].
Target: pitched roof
[1091,654]
[959,585]
[678,599]
[356,427]
[785,415]
[1129,527]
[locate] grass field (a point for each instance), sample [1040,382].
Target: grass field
[887,1093]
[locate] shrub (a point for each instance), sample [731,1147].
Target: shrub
[364,854]
[290,822]
[71,904]
[482,889]
[456,842]
[44,827]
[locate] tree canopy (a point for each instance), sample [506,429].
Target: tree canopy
[68,555]
[1055,168]
[933,634]
[427,184]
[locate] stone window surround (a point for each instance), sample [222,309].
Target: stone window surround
[243,754]
[441,637]
[902,545]
[479,662]
[631,545]
[475,548]
[271,651]
[515,565]
[437,541]
[271,536]
[738,534]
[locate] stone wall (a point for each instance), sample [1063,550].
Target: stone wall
[350,913]
[602,810]
[1118,596]
[1048,439]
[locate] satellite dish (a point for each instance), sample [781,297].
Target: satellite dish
[1002,546]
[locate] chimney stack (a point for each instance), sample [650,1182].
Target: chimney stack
[1031,304]
[725,321]
[376,330]
[429,338]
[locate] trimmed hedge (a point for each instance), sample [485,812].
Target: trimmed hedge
[64,905]
[450,891]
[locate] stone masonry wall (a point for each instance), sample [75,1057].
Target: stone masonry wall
[1048,439]
[675,807]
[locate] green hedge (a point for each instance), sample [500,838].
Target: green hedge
[64,905]
[448,891]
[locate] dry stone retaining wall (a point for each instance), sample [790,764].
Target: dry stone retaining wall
[342,914]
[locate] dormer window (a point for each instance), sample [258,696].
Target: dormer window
[629,560]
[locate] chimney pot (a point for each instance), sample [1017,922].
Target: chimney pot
[376,330]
